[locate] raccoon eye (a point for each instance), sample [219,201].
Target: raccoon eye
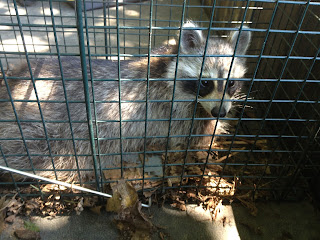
[231,83]
[204,83]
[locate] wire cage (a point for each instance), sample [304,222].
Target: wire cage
[272,143]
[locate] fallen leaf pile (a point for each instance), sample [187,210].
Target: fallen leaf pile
[9,208]
[205,171]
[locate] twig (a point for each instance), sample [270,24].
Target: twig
[230,155]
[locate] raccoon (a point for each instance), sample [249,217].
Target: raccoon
[54,133]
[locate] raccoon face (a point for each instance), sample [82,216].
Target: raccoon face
[215,69]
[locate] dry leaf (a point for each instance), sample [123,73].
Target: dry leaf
[96,210]
[90,201]
[5,205]
[114,203]
[2,216]
[10,218]
[268,170]
[124,196]
[2,213]
[53,187]
[30,205]
[180,205]
[79,207]
[149,193]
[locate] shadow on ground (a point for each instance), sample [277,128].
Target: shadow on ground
[274,221]
[278,221]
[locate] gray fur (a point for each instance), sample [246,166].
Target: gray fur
[243,42]
[161,67]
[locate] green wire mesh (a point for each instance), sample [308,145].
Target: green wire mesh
[279,114]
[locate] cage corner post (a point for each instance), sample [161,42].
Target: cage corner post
[81,38]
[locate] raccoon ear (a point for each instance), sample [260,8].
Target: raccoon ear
[244,40]
[190,38]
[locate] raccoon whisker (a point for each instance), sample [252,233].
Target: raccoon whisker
[241,96]
[254,91]
[246,106]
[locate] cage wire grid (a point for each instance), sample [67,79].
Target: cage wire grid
[282,86]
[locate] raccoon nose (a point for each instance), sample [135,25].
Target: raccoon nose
[215,112]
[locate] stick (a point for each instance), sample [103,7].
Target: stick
[230,155]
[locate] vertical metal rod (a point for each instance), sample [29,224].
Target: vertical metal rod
[155,21]
[139,35]
[306,146]
[109,33]
[124,30]
[86,85]
[173,93]
[170,19]
[93,96]
[119,83]
[147,94]
[247,96]
[93,17]
[47,29]
[252,82]
[63,29]
[198,91]
[292,180]
[14,32]
[30,31]
[308,143]
[17,120]
[223,95]
[64,89]
[11,175]
[281,73]
[105,29]
[34,88]
[4,54]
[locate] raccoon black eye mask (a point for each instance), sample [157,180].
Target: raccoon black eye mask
[54,143]
[207,86]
